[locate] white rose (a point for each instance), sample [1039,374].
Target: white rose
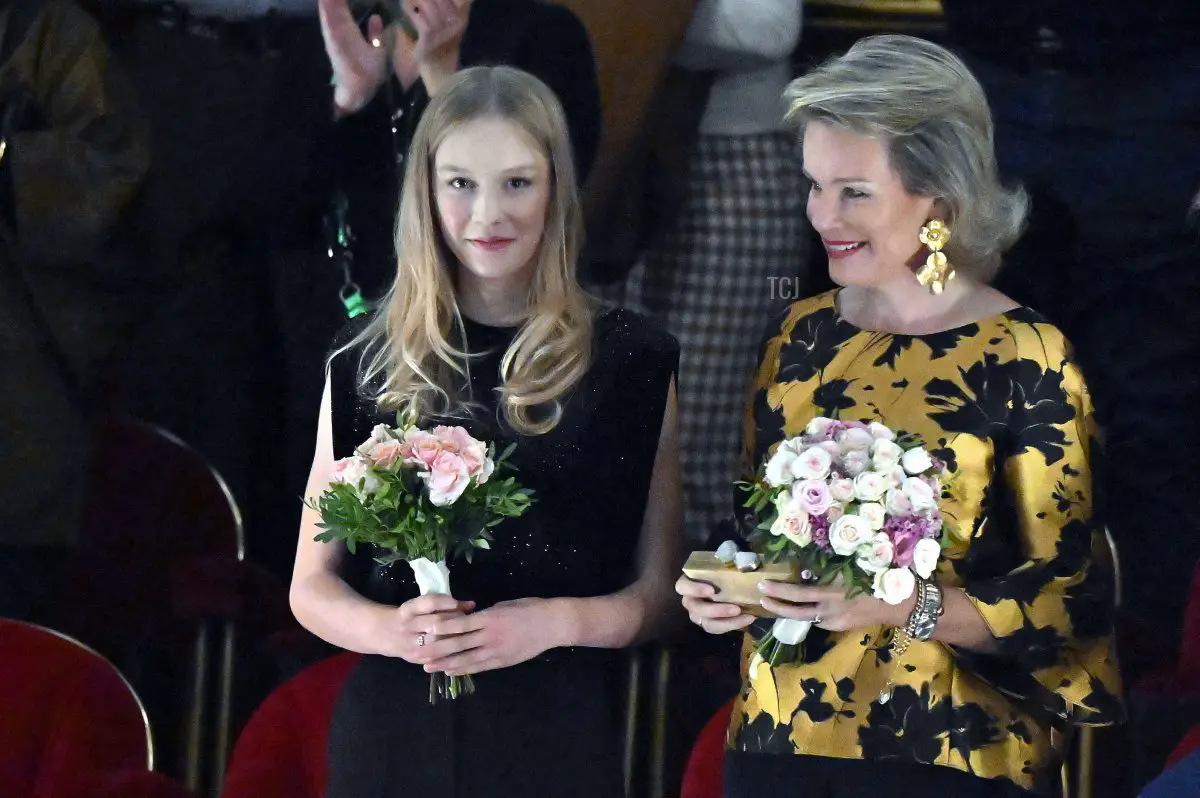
[855,439]
[894,585]
[920,494]
[879,432]
[813,463]
[818,426]
[916,461]
[873,513]
[885,455]
[898,503]
[793,445]
[833,447]
[381,434]
[841,489]
[795,527]
[925,557]
[848,533]
[876,554]
[779,468]
[870,486]
[897,476]
[855,462]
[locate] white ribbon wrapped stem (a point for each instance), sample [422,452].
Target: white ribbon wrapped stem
[789,631]
[432,577]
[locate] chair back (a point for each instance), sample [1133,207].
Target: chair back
[704,775]
[281,752]
[67,711]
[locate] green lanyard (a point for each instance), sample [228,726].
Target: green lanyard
[338,234]
[339,239]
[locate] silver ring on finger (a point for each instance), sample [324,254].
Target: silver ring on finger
[816,621]
[421,640]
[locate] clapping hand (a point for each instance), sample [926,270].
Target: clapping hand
[359,62]
[434,54]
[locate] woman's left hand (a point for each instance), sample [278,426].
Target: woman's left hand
[827,606]
[506,634]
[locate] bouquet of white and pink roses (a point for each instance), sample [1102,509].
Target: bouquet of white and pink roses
[852,504]
[422,496]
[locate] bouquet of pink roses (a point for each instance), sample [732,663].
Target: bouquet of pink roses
[853,504]
[422,496]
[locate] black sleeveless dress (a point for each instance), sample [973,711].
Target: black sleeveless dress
[550,726]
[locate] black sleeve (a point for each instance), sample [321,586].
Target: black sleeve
[556,48]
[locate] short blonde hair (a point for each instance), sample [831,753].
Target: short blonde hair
[410,362]
[933,118]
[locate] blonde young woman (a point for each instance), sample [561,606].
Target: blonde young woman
[971,692]
[486,325]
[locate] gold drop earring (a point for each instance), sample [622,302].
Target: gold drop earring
[937,271]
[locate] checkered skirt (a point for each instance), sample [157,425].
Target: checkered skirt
[714,281]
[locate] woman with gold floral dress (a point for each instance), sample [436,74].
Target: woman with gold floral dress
[1014,644]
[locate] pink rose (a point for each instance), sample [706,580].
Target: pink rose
[796,528]
[842,490]
[386,454]
[447,479]
[355,472]
[474,452]
[422,447]
[344,469]
[813,496]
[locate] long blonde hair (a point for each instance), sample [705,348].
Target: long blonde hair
[409,363]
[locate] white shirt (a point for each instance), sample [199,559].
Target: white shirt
[749,44]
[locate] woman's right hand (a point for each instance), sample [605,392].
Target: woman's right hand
[359,62]
[714,617]
[426,628]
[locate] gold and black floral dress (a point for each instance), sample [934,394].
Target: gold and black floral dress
[1002,403]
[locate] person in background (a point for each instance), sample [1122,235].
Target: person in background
[1097,109]
[72,158]
[737,244]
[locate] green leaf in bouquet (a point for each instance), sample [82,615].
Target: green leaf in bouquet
[481,544]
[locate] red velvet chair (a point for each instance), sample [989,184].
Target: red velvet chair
[703,776]
[1190,743]
[281,751]
[158,582]
[71,727]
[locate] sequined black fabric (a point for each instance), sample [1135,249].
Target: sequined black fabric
[551,726]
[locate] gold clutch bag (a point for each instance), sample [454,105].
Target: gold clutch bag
[738,587]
